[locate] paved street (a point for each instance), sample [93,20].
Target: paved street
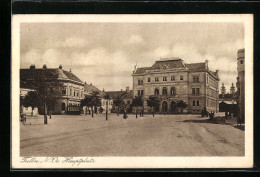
[169,135]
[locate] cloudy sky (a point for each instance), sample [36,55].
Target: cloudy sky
[104,54]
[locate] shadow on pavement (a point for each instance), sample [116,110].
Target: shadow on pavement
[219,120]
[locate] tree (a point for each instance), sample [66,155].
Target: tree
[153,102]
[118,102]
[137,101]
[96,101]
[87,101]
[181,104]
[107,98]
[31,100]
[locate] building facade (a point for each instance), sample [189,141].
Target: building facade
[241,83]
[69,87]
[171,80]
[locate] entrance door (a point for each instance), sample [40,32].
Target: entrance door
[164,106]
[173,106]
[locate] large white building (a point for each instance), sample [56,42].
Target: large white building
[172,80]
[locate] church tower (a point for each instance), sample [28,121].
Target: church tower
[232,89]
[223,90]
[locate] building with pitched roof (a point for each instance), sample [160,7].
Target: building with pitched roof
[70,87]
[172,80]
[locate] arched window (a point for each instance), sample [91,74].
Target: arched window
[193,103]
[156,91]
[63,106]
[173,91]
[198,102]
[164,91]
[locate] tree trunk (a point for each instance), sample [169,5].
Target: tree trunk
[118,111]
[136,111]
[92,111]
[153,111]
[50,113]
[45,113]
[32,110]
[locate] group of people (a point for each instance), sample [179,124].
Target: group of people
[228,115]
[204,112]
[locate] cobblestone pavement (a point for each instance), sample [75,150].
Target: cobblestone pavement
[169,135]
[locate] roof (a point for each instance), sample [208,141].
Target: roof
[196,66]
[47,74]
[90,88]
[123,94]
[171,64]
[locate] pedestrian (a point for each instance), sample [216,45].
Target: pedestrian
[202,113]
[226,115]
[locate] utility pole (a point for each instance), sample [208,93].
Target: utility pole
[106,109]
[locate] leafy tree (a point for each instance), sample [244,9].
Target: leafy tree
[118,102]
[181,104]
[96,101]
[87,101]
[92,101]
[137,101]
[153,102]
[31,99]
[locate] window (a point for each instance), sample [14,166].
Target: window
[173,78]
[74,93]
[70,91]
[164,91]
[197,91]
[198,102]
[63,91]
[193,91]
[156,91]
[164,78]
[193,104]
[173,91]
[140,82]
[148,80]
[77,93]
[241,61]
[195,78]
[157,79]
[140,92]
[128,102]
[81,93]
[181,78]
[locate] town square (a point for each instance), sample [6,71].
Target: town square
[111,90]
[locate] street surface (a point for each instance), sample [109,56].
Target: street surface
[169,135]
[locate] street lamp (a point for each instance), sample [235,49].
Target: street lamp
[106,108]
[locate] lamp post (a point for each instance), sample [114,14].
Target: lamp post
[106,108]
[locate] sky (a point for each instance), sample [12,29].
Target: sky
[104,54]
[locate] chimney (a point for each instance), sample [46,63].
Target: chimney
[90,84]
[206,64]
[217,72]
[44,66]
[103,90]
[85,83]
[121,90]
[127,89]
[32,67]
[60,67]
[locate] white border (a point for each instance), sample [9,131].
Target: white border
[139,162]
